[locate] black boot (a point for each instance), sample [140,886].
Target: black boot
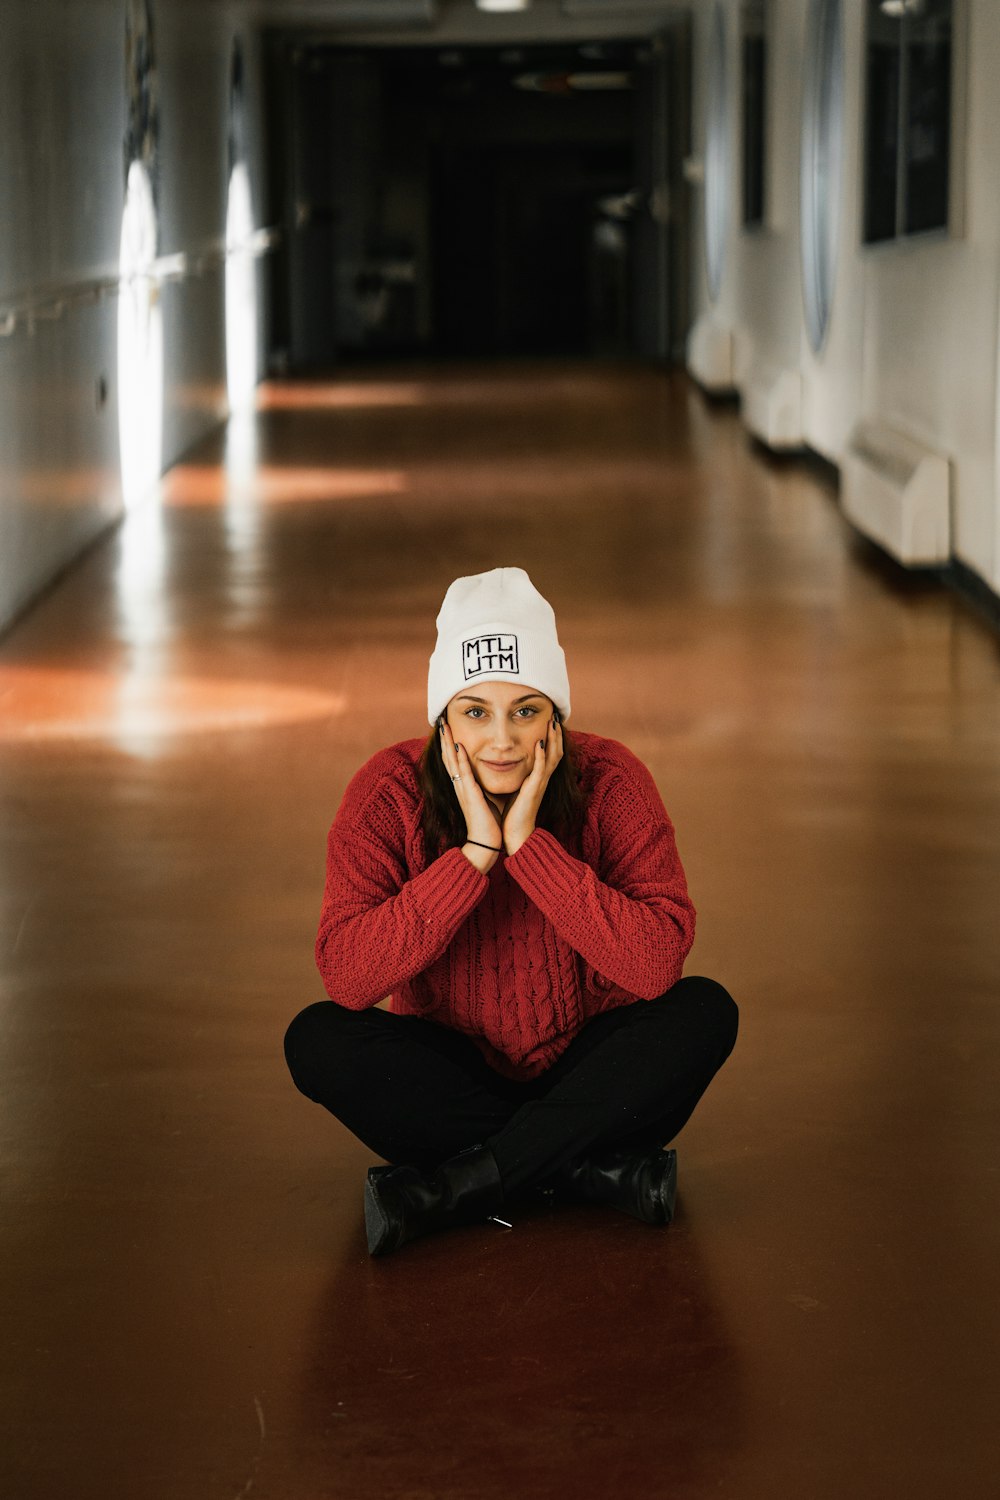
[643,1184]
[402,1203]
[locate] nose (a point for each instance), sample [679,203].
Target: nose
[503,737]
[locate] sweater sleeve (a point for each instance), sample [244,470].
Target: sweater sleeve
[378,928]
[633,922]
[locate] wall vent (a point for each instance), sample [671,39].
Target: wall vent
[772,406]
[710,355]
[897,491]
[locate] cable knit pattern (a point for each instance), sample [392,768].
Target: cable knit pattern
[521,958]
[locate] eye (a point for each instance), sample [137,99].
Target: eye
[471,712]
[529,709]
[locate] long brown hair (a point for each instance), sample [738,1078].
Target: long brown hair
[443,821]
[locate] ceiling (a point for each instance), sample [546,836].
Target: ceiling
[396,22]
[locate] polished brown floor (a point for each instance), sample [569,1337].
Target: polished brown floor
[188,1309]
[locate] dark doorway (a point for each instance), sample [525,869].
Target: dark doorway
[475,201]
[513,248]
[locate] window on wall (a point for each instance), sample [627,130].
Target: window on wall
[716,155]
[908,117]
[754,58]
[821,162]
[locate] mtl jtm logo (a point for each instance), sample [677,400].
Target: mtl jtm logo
[489,653]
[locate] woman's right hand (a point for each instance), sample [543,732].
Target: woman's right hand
[481,821]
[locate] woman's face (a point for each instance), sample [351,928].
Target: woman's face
[499,723]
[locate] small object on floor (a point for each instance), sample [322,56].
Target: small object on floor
[642,1184]
[402,1203]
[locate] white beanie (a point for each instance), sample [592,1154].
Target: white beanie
[496,627]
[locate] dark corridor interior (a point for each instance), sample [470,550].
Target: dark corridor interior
[518,263]
[478,201]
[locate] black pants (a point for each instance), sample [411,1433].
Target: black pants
[417,1092]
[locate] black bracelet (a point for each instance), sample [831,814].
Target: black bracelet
[485,846]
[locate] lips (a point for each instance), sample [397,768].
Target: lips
[500,765]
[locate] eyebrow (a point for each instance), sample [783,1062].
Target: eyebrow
[471,698]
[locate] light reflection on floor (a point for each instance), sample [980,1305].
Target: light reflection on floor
[136,712]
[506,388]
[209,484]
[320,396]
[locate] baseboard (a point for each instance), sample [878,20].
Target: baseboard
[974,589]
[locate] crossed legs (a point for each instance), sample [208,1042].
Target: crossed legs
[418,1093]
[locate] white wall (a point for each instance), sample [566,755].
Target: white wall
[62,122]
[913,335]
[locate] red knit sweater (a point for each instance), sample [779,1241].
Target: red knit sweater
[521,958]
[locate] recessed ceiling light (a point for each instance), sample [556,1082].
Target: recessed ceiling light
[502,5]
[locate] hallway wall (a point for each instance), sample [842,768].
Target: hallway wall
[913,334]
[63,118]
[913,337]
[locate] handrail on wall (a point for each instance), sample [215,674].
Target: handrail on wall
[44,304]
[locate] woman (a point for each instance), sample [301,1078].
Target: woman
[518,891]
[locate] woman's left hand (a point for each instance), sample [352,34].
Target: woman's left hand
[522,810]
